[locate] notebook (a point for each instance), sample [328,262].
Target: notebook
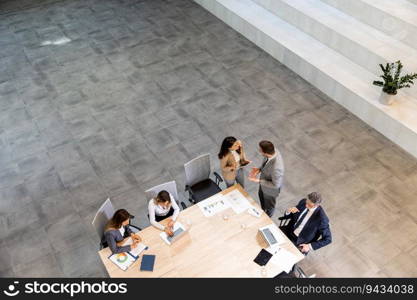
[135,252]
[147,263]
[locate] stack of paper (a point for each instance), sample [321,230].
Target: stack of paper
[237,201]
[282,258]
[213,205]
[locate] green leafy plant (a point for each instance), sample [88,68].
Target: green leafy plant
[392,79]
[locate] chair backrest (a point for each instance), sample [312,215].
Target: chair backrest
[170,187]
[197,170]
[103,215]
[299,273]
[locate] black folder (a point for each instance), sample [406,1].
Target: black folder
[263,257]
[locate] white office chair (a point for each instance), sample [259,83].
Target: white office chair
[197,179]
[170,187]
[103,215]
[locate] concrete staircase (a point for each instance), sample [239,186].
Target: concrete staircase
[397,18]
[329,44]
[361,43]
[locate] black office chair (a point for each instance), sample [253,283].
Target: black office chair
[198,182]
[296,272]
[284,220]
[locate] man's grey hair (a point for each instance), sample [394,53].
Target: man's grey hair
[315,197]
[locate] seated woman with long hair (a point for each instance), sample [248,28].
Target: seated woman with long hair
[117,231]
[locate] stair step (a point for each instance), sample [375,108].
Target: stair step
[341,79]
[359,42]
[396,18]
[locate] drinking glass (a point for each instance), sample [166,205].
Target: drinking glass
[188,223]
[263,271]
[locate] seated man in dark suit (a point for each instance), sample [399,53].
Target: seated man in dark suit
[309,227]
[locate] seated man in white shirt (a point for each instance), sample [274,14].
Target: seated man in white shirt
[161,207]
[309,226]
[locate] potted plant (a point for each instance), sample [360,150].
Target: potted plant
[393,81]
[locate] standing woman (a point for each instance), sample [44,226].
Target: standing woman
[232,160]
[117,231]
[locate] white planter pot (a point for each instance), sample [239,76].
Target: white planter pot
[386,99]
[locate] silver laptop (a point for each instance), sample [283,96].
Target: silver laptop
[179,233]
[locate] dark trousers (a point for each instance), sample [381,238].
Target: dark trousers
[267,202]
[169,214]
[290,234]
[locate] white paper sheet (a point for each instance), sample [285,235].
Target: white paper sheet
[128,242]
[237,201]
[282,258]
[254,211]
[122,260]
[139,248]
[213,205]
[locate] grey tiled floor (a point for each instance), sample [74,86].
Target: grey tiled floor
[136,89]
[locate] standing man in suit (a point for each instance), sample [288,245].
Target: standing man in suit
[271,176]
[309,226]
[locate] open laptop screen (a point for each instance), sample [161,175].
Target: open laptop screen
[270,237]
[177,232]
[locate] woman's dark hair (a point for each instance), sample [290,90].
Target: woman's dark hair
[162,197]
[227,143]
[267,147]
[118,218]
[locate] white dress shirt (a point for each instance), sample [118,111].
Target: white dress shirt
[236,157]
[122,231]
[309,213]
[158,210]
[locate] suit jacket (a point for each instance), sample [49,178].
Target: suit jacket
[316,231]
[229,166]
[272,175]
